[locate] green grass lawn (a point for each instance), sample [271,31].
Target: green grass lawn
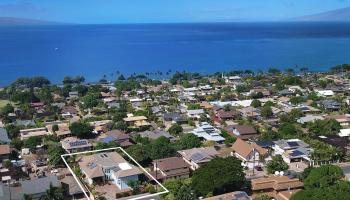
[3,103]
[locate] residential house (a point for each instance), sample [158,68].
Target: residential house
[174,117]
[73,145]
[329,104]
[63,129]
[337,141]
[198,156]
[309,118]
[292,150]
[168,168]
[36,188]
[4,152]
[276,187]
[344,120]
[4,138]
[227,115]
[101,126]
[108,166]
[195,114]
[244,132]
[207,132]
[250,112]
[69,112]
[325,93]
[237,195]
[117,136]
[156,134]
[137,121]
[249,154]
[27,133]
[71,187]
[73,95]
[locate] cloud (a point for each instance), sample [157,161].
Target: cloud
[20,7]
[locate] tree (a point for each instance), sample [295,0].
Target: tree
[276,164]
[160,148]
[324,127]
[8,108]
[256,103]
[175,130]
[188,141]
[220,175]
[12,130]
[32,142]
[288,130]
[296,100]
[185,193]
[324,176]
[325,183]
[81,130]
[53,193]
[90,100]
[54,154]
[102,145]
[55,128]
[138,152]
[266,111]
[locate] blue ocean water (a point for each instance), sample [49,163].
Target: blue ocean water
[95,50]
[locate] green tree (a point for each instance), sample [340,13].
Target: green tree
[32,142]
[80,129]
[220,175]
[138,152]
[188,141]
[160,148]
[266,111]
[53,193]
[175,130]
[256,103]
[324,127]
[276,164]
[262,197]
[54,154]
[324,176]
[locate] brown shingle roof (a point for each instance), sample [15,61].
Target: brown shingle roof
[276,183]
[170,163]
[4,149]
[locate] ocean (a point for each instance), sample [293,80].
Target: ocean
[97,50]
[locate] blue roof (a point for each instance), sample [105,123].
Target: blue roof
[4,136]
[108,139]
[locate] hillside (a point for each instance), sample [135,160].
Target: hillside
[339,15]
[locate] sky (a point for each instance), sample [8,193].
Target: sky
[164,11]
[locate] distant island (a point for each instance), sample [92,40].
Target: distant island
[338,15]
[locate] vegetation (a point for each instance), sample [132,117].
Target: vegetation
[208,179]
[276,164]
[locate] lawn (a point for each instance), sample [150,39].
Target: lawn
[3,103]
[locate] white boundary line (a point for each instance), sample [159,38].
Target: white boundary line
[93,151]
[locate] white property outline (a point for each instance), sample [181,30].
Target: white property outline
[114,148]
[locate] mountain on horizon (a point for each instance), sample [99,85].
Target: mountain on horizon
[24,21]
[338,15]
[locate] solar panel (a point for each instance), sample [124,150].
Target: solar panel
[296,153]
[197,157]
[293,144]
[78,143]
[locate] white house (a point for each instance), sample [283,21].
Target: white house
[208,132]
[108,167]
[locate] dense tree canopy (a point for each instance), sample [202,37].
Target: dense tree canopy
[324,183]
[80,129]
[175,130]
[324,127]
[220,175]
[276,164]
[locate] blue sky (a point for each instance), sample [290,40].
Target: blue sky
[158,11]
